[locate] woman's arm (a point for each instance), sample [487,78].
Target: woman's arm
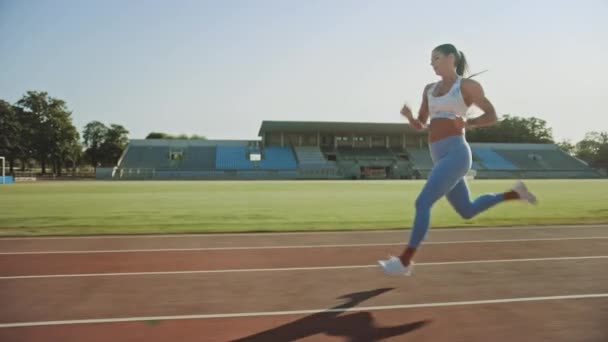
[473,93]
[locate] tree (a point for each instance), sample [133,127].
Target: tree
[10,128]
[104,144]
[74,155]
[593,149]
[28,124]
[94,136]
[114,144]
[51,127]
[567,147]
[513,129]
[602,157]
[64,137]
[160,135]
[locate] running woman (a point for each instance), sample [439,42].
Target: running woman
[446,103]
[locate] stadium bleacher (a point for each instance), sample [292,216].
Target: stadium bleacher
[488,159]
[233,158]
[362,152]
[147,157]
[310,156]
[199,158]
[278,158]
[287,151]
[421,158]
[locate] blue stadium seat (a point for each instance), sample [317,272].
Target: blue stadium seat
[492,160]
[232,158]
[278,158]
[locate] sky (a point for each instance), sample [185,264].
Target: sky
[219,68]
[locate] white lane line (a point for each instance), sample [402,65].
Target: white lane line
[283,269]
[295,246]
[384,231]
[307,312]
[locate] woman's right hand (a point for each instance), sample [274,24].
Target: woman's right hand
[407,112]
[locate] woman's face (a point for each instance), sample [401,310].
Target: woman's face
[441,63]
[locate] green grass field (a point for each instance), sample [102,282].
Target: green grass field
[51,208]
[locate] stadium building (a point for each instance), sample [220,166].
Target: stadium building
[331,150]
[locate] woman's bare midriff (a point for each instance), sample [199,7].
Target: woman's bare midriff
[441,128]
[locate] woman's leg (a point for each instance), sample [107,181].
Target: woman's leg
[459,198]
[446,173]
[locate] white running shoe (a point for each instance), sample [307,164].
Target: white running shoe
[525,195]
[393,266]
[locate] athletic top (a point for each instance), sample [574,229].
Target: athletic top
[450,105]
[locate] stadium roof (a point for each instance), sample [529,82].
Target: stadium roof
[187,142]
[335,127]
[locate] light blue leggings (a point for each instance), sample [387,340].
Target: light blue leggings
[452,160]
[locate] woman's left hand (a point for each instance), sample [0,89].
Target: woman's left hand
[461,123]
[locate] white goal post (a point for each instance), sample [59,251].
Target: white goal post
[3,175]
